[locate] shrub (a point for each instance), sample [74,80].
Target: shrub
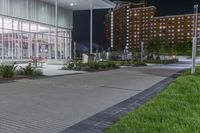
[29,71]
[7,71]
[93,66]
[111,64]
[121,63]
[37,72]
[140,64]
[70,66]
[170,61]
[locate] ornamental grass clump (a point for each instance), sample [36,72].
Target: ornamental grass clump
[29,71]
[7,71]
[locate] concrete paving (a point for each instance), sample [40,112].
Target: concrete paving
[50,105]
[54,70]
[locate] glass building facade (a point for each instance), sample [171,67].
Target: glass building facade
[28,28]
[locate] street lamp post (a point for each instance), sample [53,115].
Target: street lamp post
[142,51]
[56,26]
[194,40]
[91,26]
[74,51]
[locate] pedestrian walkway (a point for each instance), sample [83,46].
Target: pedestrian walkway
[50,105]
[54,70]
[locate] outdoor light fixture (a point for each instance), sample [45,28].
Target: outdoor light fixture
[72,4]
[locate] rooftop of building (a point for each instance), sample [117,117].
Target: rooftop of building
[135,8]
[173,16]
[83,4]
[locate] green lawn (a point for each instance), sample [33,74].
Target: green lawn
[175,110]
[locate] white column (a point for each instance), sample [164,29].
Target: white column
[8,40]
[2,52]
[12,46]
[29,41]
[65,51]
[21,42]
[15,45]
[91,26]
[60,47]
[18,46]
[18,39]
[49,43]
[70,45]
[56,24]
[37,44]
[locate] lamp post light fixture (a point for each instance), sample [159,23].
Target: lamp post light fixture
[194,46]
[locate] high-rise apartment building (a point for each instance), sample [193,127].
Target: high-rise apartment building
[130,24]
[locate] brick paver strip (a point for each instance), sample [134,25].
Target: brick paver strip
[101,121]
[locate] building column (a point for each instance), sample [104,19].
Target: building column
[37,44]
[56,25]
[70,45]
[65,45]
[21,42]
[12,46]
[29,41]
[49,43]
[2,52]
[91,26]
[18,39]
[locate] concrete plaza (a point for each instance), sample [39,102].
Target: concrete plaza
[52,104]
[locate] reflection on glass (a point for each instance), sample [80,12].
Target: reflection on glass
[24,40]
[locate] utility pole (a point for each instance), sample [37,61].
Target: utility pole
[194,47]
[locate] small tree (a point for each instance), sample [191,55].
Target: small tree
[157,46]
[184,48]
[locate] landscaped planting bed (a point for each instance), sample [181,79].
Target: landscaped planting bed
[11,71]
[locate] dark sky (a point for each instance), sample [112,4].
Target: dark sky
[82,18]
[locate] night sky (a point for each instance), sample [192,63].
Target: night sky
[81,31]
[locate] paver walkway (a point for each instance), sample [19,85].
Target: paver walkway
[50,105]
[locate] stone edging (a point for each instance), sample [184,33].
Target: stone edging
[99,122]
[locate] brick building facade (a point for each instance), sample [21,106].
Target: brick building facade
[129,24]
